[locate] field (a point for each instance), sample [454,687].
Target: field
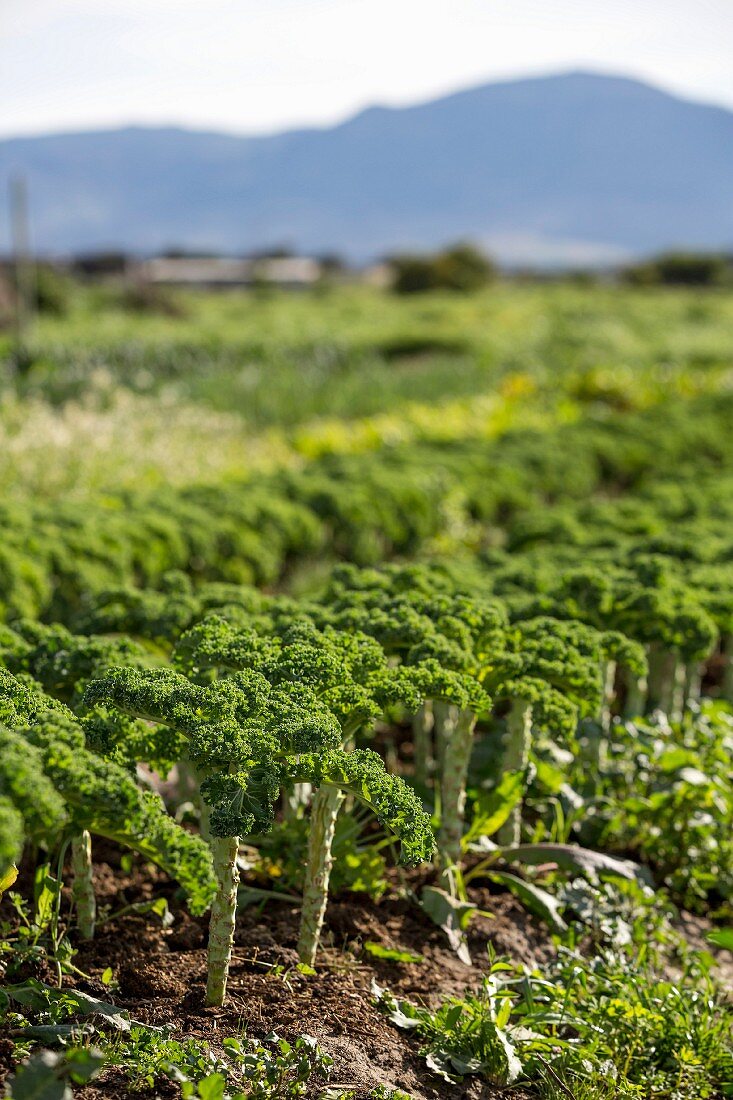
[366,696]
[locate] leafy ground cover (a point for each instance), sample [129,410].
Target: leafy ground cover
[240,382]
[400,767]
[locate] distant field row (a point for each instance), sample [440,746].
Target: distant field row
[243,382]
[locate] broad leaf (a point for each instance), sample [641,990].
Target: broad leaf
[721,937]
[39,1079]
[58,1033]
[37,996]
[538,901]
[493,808]
[570,857]
[7,880]
[452,916]
[401,1013]
[91,1006]
[212,1087]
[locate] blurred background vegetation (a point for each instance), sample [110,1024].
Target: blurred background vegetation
[126,381]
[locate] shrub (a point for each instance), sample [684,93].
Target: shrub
[149,298]
[461,268]
[52,291]
[681,269]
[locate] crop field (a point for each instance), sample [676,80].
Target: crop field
[366,696]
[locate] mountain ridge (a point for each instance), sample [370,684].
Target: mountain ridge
[573,164]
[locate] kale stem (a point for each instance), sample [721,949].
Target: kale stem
[224,852]
[422,728]
[662,679]
[692,683]
[326,805]
[636,693]
[515,758]
[457,736]
[608,672]
[83,884]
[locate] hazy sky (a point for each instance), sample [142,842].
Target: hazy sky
[258,65]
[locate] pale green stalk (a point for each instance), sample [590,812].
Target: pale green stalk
[224,853]
[662,680]
[727,690]
[445,716]
[422,741]
[609,684]
[679,692]
[636,692]
[83,885]
[692,684]
[296,800]
[517,741]
[457,746]
[185,781]
[600,745]
[326,805]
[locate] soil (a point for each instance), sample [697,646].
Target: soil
[160,979]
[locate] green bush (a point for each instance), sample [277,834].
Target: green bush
[461,268]
[681,269]
[52,291]
[150,298]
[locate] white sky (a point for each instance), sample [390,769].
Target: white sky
[259,65]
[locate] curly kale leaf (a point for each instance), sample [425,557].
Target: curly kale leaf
[395,804]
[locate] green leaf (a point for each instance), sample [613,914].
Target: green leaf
[674,759]
[91,1006]
[493,808]
[505,1011]
[39,1079]
[401,1013]
[452,916]
[46,893]
[721,937]
[83,1063]
[38,996]
[538,901]
[550,776]
[7,879]
[57,1033]
[570,857]
[404,1015]
[380,952]
[440,1063]
[160,907]
[212,1087]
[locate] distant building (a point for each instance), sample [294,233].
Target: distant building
[220,271]
[288,271]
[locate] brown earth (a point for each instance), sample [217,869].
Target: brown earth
[160,979]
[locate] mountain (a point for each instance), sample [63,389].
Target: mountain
[575,167]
